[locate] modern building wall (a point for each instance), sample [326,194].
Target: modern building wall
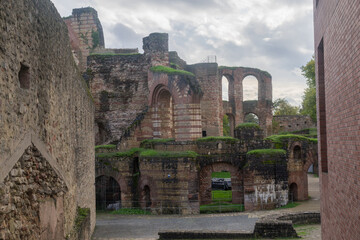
[337,52]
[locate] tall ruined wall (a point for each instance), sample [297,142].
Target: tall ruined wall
[119,85]
[43,102]
[211,102]
[85,32]
[337,55]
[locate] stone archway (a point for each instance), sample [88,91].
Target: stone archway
[205,182]
[293,192]
[108,193]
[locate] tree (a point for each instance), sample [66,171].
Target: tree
[309,99]
[282,107]
[226,126]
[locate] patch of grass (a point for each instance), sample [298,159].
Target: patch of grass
[154,141]
[128,153]
[220,175]
[131,211]
[221,195]
[170,71]
[109,146]
[113,54]
[290,205]
[229,140]
[268,152]
[248,126]
[81,214]
[279,140]
[168,154]
[221,208]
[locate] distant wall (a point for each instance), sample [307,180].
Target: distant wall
[43,103]
[289,123]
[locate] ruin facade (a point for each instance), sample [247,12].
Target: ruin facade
[46,124]
[157,95]
[337,84]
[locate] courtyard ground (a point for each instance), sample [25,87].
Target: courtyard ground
[121,227]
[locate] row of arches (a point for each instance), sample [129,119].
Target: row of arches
[250,88]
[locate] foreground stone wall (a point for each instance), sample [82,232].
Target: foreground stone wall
[43,101]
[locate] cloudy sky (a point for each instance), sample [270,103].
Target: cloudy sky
[273,35]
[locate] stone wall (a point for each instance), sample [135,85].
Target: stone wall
[338,103]
[119,85]
[86,34]
[44,101]
[292,123]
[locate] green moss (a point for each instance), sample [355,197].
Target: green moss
[170,71]
[128,153]
[174,65]
[154,141]
[168,154]
[113,54]
[248,125]
[81,215]
[268,152]
[229,140]
[95,38]
[109,146]
[279,140]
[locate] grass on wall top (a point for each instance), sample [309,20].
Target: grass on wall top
[248,126]
[170,71]
[230,140]
[154,141]
[109,146]
[268,152]
[168,154]
[279,140]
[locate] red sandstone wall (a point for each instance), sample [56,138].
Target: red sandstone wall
[337,23]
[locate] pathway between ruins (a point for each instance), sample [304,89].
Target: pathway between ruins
[120,227]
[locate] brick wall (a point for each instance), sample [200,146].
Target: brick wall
[337,54]
[293,123]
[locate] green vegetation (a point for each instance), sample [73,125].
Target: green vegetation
[95,38]
[170,71]
[282,107]
[226,126]
[81,214]
[128,153]
[221,208]
[229,140]
[221,195]
[131,211]
[113,54]
[109,146]
[251,118]
[309,98]
[220,175]
[268,152]
[248,125]
[279,140]
[154,141]
[168,154]
[174,65]
[290,205]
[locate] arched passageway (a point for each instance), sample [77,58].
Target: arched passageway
[108,193]
[293,192]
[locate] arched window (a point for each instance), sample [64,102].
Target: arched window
[250,88]
[163,102]
[297,152]
[147,196]
[251,118]
[293,192]
[225,88]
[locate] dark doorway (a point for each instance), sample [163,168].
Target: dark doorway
[108,194]
[147,196]
[293,196]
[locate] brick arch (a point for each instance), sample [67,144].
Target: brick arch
[125,189]
[205,181]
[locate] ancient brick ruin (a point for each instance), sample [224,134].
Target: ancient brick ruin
[157,95]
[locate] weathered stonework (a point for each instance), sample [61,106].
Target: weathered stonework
[44,102]
[292,123]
